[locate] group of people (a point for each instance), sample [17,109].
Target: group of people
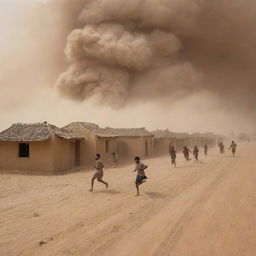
[233,147]
[141,167]
[186,153]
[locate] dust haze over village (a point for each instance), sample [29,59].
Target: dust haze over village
[127,127]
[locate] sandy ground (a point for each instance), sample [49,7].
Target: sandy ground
[206,208]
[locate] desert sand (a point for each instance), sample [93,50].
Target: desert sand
[206,208]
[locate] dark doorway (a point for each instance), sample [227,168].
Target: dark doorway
[77,153]
[106,146]
[24,150]
[146,148]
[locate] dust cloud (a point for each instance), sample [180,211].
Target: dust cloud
[129,51]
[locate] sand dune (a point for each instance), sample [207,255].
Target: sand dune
[206,208]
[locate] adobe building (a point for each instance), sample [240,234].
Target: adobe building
[38,148]
[127,143]
[209,139]
[182,139]
[162,141]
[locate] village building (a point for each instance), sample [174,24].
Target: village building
[195,139]
[127,143]
[38,148]
[209,139]
[162,141]
[182,139]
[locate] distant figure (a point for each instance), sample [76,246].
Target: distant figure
[186,152]
[222,147]
[205,150]
[141,177]
[115,159]
[173,156]
[99,172]
[196,153]
[233,147]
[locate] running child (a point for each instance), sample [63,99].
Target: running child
[99,172]
[140,169]
[186,152]
[173,156]
[233,147]
[196,153]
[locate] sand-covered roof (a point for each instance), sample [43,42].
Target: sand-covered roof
[77,128]
[34,132]
[181,135]
[161,134]
[122,132]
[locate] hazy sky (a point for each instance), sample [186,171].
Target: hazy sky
[32,39]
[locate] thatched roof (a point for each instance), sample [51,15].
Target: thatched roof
[34,132]
[78,127]
[163,134]
[122,132]
[181,135]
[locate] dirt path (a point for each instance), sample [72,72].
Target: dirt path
[206,208]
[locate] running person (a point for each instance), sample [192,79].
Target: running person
[115,159]
[99,172]
[141,177]
[222,147]
[205,150]
[186,152]
[196,153]
[173,156]
[233,147]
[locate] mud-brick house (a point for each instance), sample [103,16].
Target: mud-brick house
[195,139]
[182,139]
[96,142]
[39,148]
[130,142]
[209,139]
[162,141]
[126,142]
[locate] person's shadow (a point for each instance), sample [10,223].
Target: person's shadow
[155,195]
[108,191]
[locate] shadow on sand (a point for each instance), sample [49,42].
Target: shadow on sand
[155,195]
[185,166]
[108,191]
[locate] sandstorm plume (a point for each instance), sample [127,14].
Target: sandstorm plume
[161,50]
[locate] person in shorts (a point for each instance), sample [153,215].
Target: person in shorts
[186,152]
[233,147]
[115,159]
[206,150]
[173,156]
[140,169]
[99,172]
[196,153]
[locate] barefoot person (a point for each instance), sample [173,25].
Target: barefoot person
[222,147]
[205,150]
[141,177]
[233,147]
[99,172]
[196,153]
[115,159]
[186,151]
[173,156]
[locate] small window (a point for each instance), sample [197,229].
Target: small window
[23,150]
[106,146]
